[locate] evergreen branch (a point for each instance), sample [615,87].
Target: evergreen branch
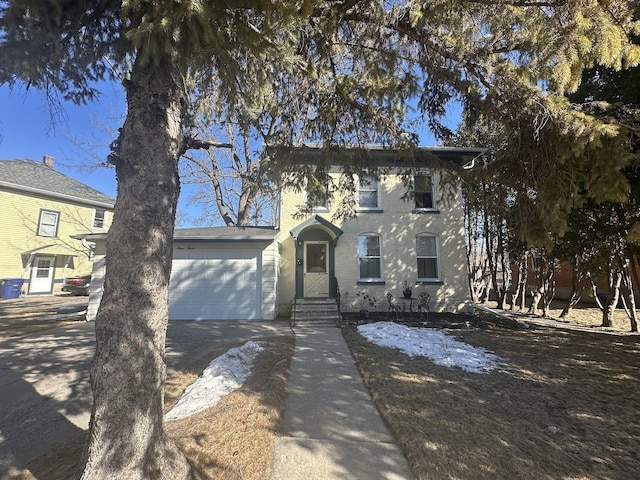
[627,116]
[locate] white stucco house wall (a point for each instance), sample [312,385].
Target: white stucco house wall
[397,236]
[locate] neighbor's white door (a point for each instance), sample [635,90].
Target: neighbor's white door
[42,270]
[316,269]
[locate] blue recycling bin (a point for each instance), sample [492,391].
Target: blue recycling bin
[10,287]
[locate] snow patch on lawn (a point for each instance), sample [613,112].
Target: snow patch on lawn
[433,344]
[224,374]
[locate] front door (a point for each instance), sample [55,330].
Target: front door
[316,269]
[41,280]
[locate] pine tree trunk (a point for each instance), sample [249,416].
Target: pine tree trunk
[127,439]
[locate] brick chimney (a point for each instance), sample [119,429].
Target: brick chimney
[48,161]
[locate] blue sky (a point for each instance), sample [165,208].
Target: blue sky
[28,131]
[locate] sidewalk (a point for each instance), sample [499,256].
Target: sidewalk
[331,428]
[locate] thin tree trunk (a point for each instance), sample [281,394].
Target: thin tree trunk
[504,265]
[633,268]
[578,285]
[489,236]
[628,295]
[127,438]
[521,283]
[545,290]
[522,280]
[574,299]
[550,291]
[594,294]
[612,298]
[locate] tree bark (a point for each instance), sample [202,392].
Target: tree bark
[503,257]
[519,295]
[612,298]
[545,290]
[578,285]
[126,434]
[627,293]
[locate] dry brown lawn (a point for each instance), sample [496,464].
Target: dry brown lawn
[231,440]
[564,406]
[585,314]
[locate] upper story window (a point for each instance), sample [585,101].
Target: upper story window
[368,193]
[424,192]
[318,196]
[48,223]
[369,257]
[99,218]
[427,256]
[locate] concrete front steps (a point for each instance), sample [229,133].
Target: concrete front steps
[315,311]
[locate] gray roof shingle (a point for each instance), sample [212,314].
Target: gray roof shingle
[31,176]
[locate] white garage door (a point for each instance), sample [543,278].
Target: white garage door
[215,283]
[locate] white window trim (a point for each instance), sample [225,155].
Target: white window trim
[437,257]
[318,208]
[369,279]
[434,192]
[57,224]
[104,219]
[378,206]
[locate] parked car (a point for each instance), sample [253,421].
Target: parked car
[77,285]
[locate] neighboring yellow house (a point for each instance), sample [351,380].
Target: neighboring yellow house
[397,236]
[41,210]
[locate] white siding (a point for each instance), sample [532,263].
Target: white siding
[212,280]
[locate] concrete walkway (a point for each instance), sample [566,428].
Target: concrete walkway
[331,428]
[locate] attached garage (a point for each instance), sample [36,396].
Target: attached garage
[218,273]
[216,281]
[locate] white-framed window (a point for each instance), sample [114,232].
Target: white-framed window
[369,257]
[424,193]
[368,193]
[317,195]
[48,223]
[43,265]
[99,218]
[427,256]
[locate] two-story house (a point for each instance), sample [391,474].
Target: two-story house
[408,227]
[41,209]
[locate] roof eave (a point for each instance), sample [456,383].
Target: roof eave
[236,238]
[60,196]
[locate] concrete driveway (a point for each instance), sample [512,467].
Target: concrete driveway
[45,396]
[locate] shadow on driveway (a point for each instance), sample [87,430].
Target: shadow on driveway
[45,395]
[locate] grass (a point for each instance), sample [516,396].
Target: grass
[584,314]
[231,440]
[564,405]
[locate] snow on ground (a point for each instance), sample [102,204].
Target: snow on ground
[433,344]
[224,374]
[228,372]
